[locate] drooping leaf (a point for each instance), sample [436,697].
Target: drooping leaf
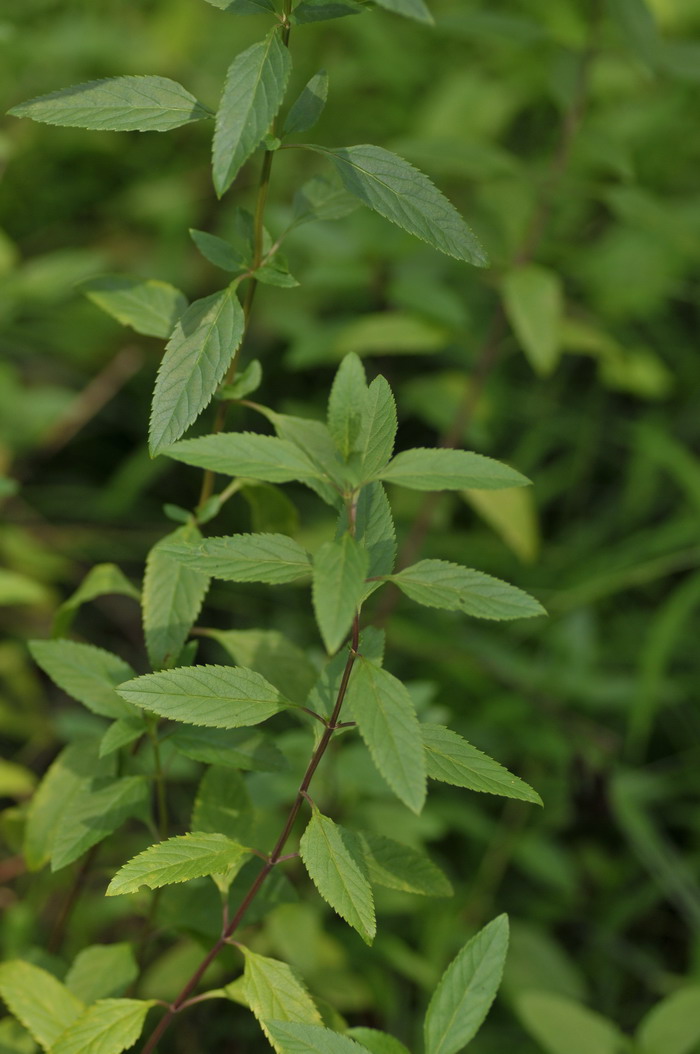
[96,810]
[387,721]
[274,992]
[398,866]
[255,85]
[415,9]
[215,696]
[172,598]
[102,971]
[121,733]
[266,458]
[271,558]
[673,1025]
[122,104]
[307,109]
[451,759]
[441,584]
[109,1026]
[38,1000]
[339,573]
[466,990]
[149,306]
[177,859]
[217,251]
[101,580]
[86,673]
[402,194]
[273,655]
[195,361]
[561,1025]
[534,303]
[222,805]
[377,1042]
[331,859]
[436,469]
[292,1037]
[235,749]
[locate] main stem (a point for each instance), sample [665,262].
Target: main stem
[275,855]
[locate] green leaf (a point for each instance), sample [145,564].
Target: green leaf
[276,273]
[255,85]
[215,696]
[512,514]
[440,584]
[96,811]
[377,1042]
[374,528]
[244,7]
[322,10]
[38,1000]
[234,749]
[120,104]
[415,9]
[451,759]
[387,721]
[102,971]
[86,673]
[330,857]
[271,558]
[340,570]
[638,27]
[270,653]
[260,457]
[121,733]
[16,588]
[398,866]
[313,439]
[562,1026]
[274,992]
[271,511]
[346,404]
[378,431]
[101,580]
[14,1039]
[292,1037]
[401,194]
[322,199]
[217,251]
[195,361]
[109,1026]
[178,859]
[534,303]
[673,1025]
[246,381]
[437,469]
[222,805]
[147,305]
[466,990]
[307,109]
[172,599]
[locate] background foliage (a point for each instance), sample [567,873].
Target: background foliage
[565,133]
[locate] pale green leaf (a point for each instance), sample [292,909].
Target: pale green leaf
[673,1025]
[149,306]
[255,85]
[271,558]
[178,859]
[391,333]
[217,251]
[441,469]
[331,859]
[307,109]
[121,104]
[466,990]
[270,653]
[402,194]
[196,358]
[96,810]
[322,10]
[109,1026]
[451,759]
[563,1026]
[86,673]
[346,404]
[102,971]
[377,1042]
[18,589]
[398,866]
[121,733]
[215,696]
[14,1039]
[245,382]
[172,598]
[415,9]
[387,721]
[293,1037]
[512,513]
[222,805]
[534,303]
[101,580]
[266,458]
[440,584]
[274,992]
[16,781]
[38,1000]
[340,570]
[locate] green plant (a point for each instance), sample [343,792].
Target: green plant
[209,713]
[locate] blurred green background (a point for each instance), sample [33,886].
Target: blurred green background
[567,134]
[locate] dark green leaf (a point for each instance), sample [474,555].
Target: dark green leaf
[307,109]
[323,10]
[434,469]
[86,673]
[217,251]
[271,558]
[172,598]
[147,305]
[247,454]
[340,570]
[415,9]
[440,584]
